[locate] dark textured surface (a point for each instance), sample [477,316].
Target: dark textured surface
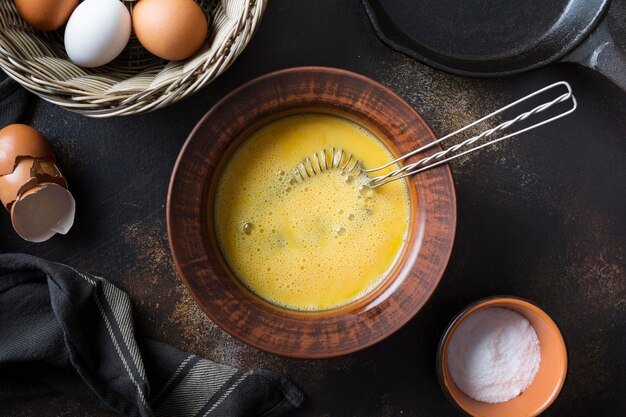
[540,217]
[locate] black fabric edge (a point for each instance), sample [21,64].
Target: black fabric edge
[292,395]
[173,384]
[218,394]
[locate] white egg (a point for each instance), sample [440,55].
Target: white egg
[97,32]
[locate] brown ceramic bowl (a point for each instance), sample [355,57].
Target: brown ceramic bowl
[190,221]
[547,383]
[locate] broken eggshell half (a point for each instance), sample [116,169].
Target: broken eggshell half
[32,188]
[43,211]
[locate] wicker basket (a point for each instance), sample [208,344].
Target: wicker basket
[136,81]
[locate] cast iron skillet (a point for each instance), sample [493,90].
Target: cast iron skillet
[500,37]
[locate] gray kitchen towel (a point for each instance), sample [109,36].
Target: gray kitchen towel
[63,330]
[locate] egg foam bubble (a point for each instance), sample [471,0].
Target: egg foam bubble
[318,244]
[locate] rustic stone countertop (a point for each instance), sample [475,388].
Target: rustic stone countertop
[542,216]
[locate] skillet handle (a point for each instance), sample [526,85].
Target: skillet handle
[599,52]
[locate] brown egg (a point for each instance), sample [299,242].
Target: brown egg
[45,14]
[170,29]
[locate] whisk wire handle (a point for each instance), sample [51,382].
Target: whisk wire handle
[338,159]
[436,159]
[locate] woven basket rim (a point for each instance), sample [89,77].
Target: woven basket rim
[97,95]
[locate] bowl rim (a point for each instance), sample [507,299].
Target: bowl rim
[444,173]
[464,313]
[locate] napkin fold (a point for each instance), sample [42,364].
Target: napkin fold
[63,330]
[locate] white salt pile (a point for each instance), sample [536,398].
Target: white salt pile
[493,355]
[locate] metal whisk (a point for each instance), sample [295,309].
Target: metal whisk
[338,159]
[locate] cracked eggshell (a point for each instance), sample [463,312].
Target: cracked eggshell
[32,187]
[28,173]
[42,212]
[19,141]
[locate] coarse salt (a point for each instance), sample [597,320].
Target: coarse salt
[493,355]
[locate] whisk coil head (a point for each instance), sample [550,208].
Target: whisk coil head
[327,160]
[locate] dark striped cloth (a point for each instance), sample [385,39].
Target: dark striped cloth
[62,330]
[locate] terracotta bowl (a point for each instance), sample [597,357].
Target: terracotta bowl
[547,383]
[190,220]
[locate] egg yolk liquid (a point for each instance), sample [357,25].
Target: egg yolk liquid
[318,244]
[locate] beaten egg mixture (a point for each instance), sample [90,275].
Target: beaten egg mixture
[315,245]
